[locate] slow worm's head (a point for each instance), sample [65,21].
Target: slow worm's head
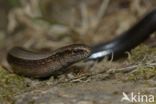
[73,53]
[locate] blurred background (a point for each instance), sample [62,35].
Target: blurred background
[49,24]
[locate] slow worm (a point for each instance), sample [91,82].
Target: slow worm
[40,65]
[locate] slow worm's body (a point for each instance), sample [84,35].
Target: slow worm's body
[127,40]
[39,65]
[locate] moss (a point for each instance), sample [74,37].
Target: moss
[143,56]
[142,53]
[142,72]
[10,84]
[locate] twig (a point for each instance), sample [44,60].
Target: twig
[129,68]
[101,12]
[94,22]
[124,70]
[85,18]
[102,9]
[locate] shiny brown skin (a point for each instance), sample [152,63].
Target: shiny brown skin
[41,65]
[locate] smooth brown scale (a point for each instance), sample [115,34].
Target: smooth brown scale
[23,63]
